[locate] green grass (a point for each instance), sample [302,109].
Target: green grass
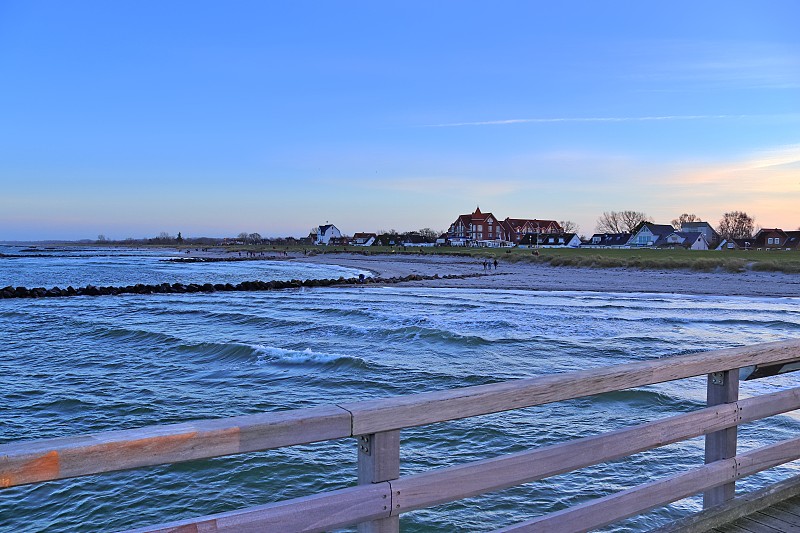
[656,259]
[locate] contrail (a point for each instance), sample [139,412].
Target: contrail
[585,119]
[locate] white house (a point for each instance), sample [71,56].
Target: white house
[689,240]
[326,232]
[363,239]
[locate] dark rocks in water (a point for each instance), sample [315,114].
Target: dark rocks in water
[258,285]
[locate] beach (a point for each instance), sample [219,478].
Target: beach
[539,277]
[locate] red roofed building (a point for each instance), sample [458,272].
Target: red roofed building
[478,226]
[514,229]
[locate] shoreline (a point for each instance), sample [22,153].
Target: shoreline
[533,276]
[522,275]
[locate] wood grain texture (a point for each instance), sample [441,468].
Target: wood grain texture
[439,406]
[767,499]
[44,460]
[463,481]
[320,512]
[722,388]
[378,461]
[609,509]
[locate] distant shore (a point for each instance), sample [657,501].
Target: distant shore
[537,276]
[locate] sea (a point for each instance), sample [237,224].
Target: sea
[71,366]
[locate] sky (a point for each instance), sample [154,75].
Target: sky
[132,118]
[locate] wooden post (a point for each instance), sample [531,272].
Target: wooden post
[378,461]
[723,387]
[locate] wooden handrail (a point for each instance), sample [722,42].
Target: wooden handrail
[383,494]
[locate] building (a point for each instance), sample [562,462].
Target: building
[650,234]
[770,239]
[550,240]
[514,229]
[681,239]
[712,237]
[478,226]
[363,239]
[325,233]
[608,240]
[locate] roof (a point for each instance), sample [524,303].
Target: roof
[610,239]
[519,222]
[661,230]
[792,239]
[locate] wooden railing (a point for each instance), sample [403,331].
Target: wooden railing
[382,495]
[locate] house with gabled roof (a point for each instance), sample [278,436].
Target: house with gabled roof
[693,240]
[770,239]
[363,239]
[712,237]
[478,226]
[514,229]
[325,233]
[650,234]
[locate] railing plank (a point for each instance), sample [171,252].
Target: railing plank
[439,406]
[609,509]
[463,481]
[35,461]
[320,512]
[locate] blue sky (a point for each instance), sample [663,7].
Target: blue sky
[212,118]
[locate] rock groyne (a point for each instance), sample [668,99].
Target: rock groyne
[180,288]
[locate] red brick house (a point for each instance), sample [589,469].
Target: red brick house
[477,226]
[514,229]
[770,239]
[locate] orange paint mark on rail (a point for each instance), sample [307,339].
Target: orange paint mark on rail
[41,468]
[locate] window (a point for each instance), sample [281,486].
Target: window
[769,240]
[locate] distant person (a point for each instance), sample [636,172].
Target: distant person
[495,264]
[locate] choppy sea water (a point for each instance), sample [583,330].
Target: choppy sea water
[76,365]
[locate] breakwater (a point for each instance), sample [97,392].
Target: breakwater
[173,288]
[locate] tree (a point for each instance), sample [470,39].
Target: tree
[568,226]
[429,234]
[736,225]
[254,238]
[101,238]
[683,219]
[164,236]
[620,221]
[179,238]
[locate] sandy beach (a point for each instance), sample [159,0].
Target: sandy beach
[528,276]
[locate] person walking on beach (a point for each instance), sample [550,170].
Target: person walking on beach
[495,264]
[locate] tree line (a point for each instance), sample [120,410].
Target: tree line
[732,225]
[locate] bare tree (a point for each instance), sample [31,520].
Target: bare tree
[736,225]
[620,221]
[568,226]
[254,238]
[683,219]
[428,233]
[164,236]
[101,238]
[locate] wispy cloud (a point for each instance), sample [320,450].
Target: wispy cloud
[589,119]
